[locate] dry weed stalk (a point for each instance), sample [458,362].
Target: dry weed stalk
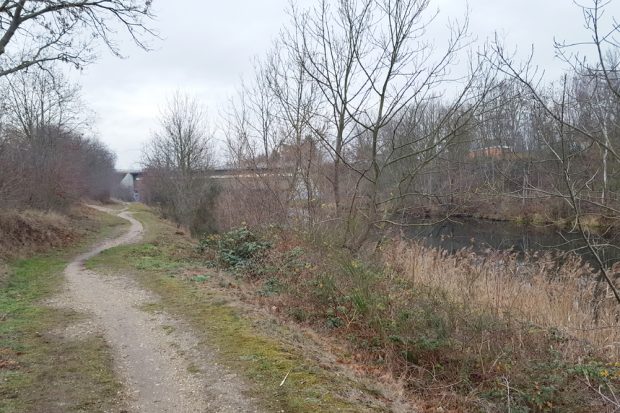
[550,289]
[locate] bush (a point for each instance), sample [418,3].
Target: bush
[239,249]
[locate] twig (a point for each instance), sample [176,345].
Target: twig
[507,394]
[284,379]
[613,402]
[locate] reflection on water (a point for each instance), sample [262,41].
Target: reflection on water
[480,235]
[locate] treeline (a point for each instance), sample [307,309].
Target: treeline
[524,149]
[47,159]
[357,120]
[371,117]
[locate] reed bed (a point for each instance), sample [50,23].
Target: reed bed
[549,289]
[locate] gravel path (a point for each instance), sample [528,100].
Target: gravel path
[162,364]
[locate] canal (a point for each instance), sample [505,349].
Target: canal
[480,235]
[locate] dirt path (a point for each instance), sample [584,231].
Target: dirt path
[162,364]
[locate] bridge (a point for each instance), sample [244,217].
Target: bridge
[131,179]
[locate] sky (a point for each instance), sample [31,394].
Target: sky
[206,47]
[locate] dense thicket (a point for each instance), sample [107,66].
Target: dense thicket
[47,159]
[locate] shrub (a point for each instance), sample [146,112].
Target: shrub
[239,249]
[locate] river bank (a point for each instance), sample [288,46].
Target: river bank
[461,330]
[480,234]
[551,212]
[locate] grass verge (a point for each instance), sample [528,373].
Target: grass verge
[166,264]
[41,370]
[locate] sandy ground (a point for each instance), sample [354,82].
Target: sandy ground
[162,365]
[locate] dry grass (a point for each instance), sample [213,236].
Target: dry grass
[254,203]
[464,331]
[24,232]
[27,232]
[550,290]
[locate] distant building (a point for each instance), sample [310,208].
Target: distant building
[496,152]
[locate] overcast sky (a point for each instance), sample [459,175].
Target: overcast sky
[207,46]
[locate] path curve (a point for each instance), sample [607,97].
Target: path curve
[163,366]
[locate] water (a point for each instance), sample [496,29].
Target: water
[481,235]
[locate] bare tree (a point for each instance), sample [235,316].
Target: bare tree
[372,63]
[176,162]
[237,131]
[574,134]
[329,43]
[402,70]
[41,98]
[254,136]
[182,142]
[252,121]
[35,32]
[298,109]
